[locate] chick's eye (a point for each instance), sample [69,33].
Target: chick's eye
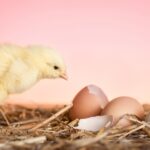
[56,67]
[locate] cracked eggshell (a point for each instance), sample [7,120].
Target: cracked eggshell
[121,106]
[95,123]
[88,102]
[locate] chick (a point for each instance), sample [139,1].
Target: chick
[21,67]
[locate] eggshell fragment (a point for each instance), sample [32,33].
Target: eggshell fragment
[94,123]
[121,106]
[88,102]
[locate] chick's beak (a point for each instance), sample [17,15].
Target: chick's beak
[64,76]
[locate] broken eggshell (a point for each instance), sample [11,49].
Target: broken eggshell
[121,106]
[95,123]
[88,102]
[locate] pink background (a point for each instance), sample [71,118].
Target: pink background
[104,42]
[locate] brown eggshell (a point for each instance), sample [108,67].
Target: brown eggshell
[88,102]
[121,106]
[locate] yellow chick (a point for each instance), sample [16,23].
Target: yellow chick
[21,67]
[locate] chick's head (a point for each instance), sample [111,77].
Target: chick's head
[51,64]
[56,66]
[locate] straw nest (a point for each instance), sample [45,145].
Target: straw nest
[43,129]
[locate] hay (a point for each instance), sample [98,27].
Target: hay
[43,129]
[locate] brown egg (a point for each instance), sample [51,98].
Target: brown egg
[88,102]
[121,106]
